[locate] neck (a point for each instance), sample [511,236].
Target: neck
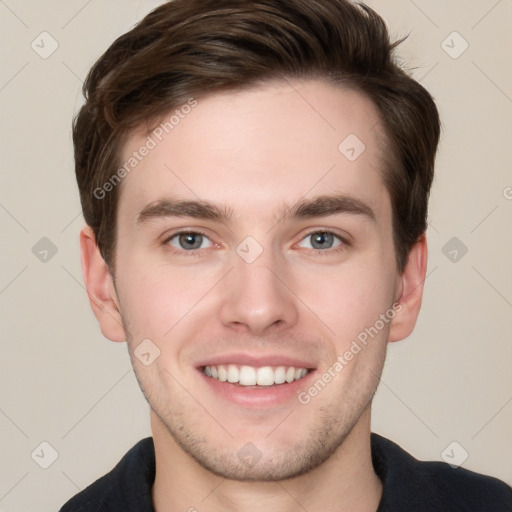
[345,482]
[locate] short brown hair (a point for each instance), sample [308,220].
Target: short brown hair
[190,48]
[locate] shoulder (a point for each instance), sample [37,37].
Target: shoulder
[410,484]
[126,487]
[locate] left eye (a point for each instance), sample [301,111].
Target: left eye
[189,241]
[323,240]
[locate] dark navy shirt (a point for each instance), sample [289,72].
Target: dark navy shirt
[409,485]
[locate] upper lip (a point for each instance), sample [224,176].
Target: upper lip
[257,361]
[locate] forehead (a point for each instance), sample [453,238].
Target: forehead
[260,148]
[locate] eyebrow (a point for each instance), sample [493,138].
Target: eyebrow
[320,206]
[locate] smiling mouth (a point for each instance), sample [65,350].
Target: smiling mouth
[264,376]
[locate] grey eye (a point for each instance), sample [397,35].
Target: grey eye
[322,240]
[189,241]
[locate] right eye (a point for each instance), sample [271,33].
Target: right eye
[188,241]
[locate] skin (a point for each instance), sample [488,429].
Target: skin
[237,150]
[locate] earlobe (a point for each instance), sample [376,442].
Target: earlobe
[410,292]
[100,287]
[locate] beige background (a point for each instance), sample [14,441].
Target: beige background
[64,384]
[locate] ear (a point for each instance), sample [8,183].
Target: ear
[409,292]
[100,288]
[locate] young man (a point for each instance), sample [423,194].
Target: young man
[255,177]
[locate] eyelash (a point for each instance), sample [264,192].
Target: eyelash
[197,252]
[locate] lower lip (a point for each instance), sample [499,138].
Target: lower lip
[250,396]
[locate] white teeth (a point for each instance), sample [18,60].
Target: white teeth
[280,375]
[233,373]
[250,376]
[247,376]
[265,376]
[223,373]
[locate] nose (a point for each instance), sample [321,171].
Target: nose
[257,298]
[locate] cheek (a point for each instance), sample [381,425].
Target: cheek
[159,298]
[348,298]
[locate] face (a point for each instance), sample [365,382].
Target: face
[251,297]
